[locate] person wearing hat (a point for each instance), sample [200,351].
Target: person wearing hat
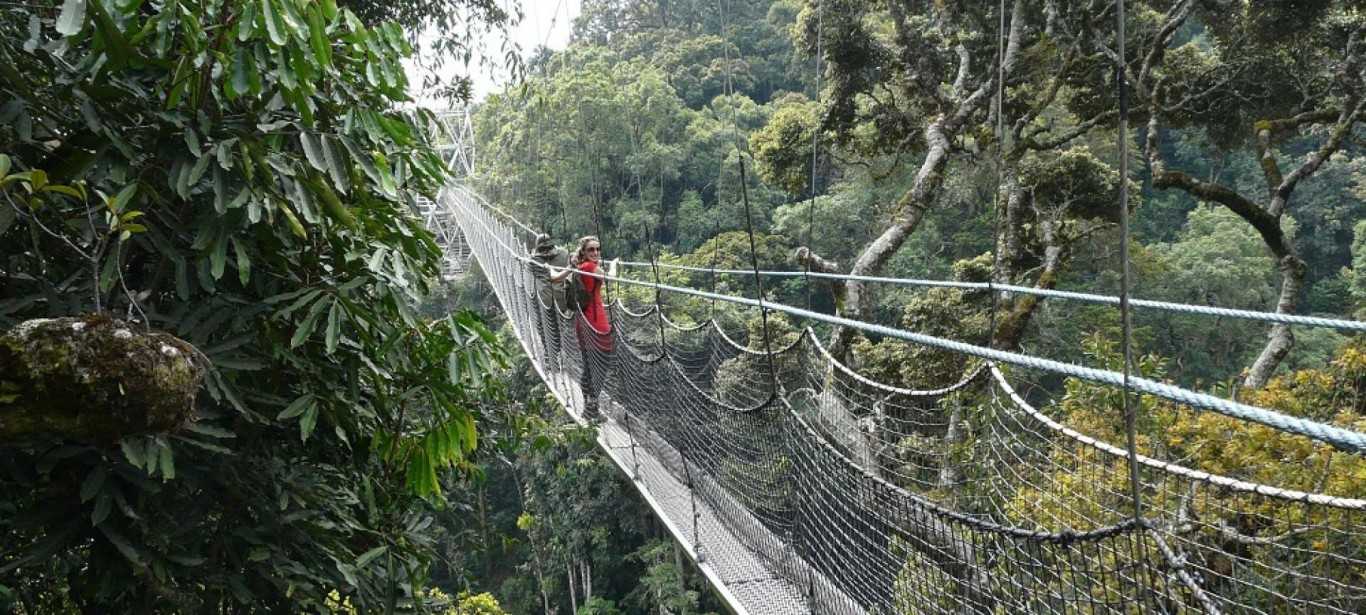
[550,266]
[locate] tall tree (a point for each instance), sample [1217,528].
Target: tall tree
[236,174]
[1281,81]
[920,79]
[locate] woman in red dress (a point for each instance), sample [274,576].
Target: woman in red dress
[594,331]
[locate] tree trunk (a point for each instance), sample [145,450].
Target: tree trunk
[1008,237]
[948,473]
[956,556]
[1280,340]
[586,579]
[483,519]
[538,563]
[678,561]
[1010,327]
[911,211]
[573,597]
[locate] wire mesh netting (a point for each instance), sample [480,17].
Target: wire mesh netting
[839,494]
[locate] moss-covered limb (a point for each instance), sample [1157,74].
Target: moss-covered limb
[94,379]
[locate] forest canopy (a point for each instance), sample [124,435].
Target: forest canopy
[344,431]
[876,144]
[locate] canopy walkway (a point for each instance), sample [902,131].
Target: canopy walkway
[801,486]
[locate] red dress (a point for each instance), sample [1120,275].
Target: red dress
[597,328]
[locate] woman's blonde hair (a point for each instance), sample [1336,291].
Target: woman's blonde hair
[579,254]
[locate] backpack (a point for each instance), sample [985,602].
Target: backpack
[578,296]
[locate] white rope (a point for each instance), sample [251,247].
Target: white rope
[1342,438]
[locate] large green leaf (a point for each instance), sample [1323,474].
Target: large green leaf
[122,545]
[93,483]
[317,36]
[119,50]
[275,22]
[333,327]
[337,167]
[240,81]
[246,22]
[296,408]
[313,149]
[305,329]
[307,422]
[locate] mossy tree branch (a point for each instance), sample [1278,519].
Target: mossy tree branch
[94,379]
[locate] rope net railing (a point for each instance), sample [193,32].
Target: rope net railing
[1002,492]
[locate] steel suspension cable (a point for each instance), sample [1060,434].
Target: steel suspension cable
[815,141]
[1180,308]
[744,190]
[1000,128]
[996,373]
[1127,341]
[852,511]
[758,281]
[715,244]
[749,218]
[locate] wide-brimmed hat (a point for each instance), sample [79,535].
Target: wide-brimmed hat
[544,243]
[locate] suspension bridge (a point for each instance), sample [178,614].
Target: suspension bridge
[799,485]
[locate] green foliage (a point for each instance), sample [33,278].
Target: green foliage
[637,124]
[1084,488]
[1272,48]
[616,125]
[1217,260]
[433,600]
[945,312]
[598,605]
[452,31]
[477,604]
[1222,445]
[1074,181]
[782,148]
[1356,276]
[731,250]
[234,173]
[693,41]
[664,586]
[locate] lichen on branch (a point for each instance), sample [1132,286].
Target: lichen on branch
[94,379]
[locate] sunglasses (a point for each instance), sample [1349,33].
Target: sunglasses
[592,249]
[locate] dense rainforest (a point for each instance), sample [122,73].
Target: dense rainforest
[633,133]
[234,180]
[231,380]
[868,138]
